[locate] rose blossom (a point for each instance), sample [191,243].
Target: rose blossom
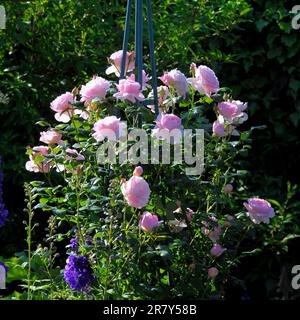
[116,60]
[212,272]
[189,214]
[138,171]
[217,250]
[259,210]
[219,129]
[51,137]
[148,221]
[205,80]
[215,234]
[77,155]
[233,111]
[129,90]
[110,127]
[177,80]
[136,192]
[61,105]
[228,188]
[96,88]
[40,166]
[168,125]
[145,79]
[163,93]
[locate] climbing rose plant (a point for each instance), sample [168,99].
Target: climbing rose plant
[141,231]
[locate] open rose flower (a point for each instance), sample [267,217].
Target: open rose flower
[233,111]
[116,60]
[74,154]
[220,129]
[96,88]
[177,80]
[189,214]
[110,127]
[168,126]
[136,192]
[205,80]
[162,93]
[145,79]
[138,171]
[61,105]
[259,210]
[149,221]
[38,166]
[217,250]
[228,188]
[129,90]
[51,137]
[212,272]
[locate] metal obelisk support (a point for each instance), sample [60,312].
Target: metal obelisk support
[139,44]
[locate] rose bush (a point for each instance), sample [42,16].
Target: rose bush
[118,230]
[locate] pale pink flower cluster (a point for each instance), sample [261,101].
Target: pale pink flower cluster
[41,165]
[230,114]
[163,93]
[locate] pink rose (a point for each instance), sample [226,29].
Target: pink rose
[77,155]
[205,80]
[259,210]
[51,137]
[233,111]
[96,88]
[177,80]
[228,188]
[228,222]
[146,78]
[212,272]
[138,171]
[215,234]
[163,93]
[189,214]
[136,192]
[110,127]
[38,166]
[168,125]
[62,107]
[129,90]
[217,250]
[116,60]
[148,221]
[219,129]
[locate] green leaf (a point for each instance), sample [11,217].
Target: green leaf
[290,237]
[261,23]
